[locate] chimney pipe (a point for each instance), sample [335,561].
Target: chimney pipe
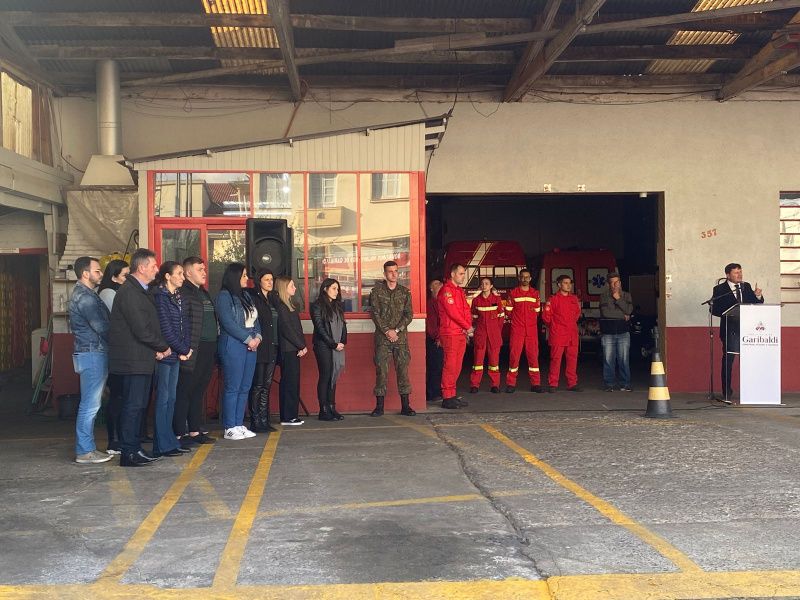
[109,121]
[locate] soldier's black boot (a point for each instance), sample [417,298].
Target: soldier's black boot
[378,412]
[406,407]
[334,412]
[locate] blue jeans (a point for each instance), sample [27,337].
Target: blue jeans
[238,366]
[92,367]
[616,351]
[164,438]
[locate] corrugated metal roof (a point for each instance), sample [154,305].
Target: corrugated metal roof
[695,38]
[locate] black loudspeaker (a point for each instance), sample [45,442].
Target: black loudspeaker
[269,245]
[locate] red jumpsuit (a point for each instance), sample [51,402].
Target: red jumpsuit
[524,307]
[488,322]
[561,313]
[454,319]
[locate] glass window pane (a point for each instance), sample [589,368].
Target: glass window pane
[178,244]
[333,236]
[790,226]
[596,280]
[202,195]
[790,253]
[389,186]
[323,189]
[224,247]
[385,234]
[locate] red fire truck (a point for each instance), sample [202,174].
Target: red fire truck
[501,260]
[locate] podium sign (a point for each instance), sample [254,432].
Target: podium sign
[760,354]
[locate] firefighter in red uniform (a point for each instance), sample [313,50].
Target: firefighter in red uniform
[455,326]
[561,313]
[524,305]
[488,316]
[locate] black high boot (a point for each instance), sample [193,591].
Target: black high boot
[325,413]
[334,412]
[378,412]
[263,410]
[252,407]
[406,407]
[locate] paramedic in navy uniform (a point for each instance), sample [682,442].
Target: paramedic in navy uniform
[730,292]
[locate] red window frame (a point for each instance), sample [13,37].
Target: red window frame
[417,241]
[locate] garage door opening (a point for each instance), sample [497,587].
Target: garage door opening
[619,230]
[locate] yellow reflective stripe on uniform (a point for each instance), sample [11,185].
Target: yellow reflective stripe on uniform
[526,299]
[485,308]
[533,369]
[477,368]
[514,370]
[491,368]
[537,310]
[509,308]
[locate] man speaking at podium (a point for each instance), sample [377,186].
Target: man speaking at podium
[731,291]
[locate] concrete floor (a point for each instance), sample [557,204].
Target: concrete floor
[566,496]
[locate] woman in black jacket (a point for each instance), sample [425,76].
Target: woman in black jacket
[293,348]
[267,353]
[330,337]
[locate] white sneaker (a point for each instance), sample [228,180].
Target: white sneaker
[233,434]
[246,432]
[293,422]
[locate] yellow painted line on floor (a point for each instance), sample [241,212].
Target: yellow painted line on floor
[648,586]
[310,510]
[228,569]
[214,505]
[613,514]
[117,568]
[335,428]
[677,586]
[410,423]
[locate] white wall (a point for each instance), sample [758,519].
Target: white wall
[720,166]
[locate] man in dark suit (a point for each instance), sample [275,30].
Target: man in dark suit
[729,293]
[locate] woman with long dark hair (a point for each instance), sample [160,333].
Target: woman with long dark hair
[238,342]
[263,298]
[293,348]
[176,328]
[330,337]
[115,274]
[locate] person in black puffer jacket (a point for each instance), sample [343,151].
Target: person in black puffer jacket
[330,337]
[264,299]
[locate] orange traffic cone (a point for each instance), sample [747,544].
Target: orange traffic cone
[658,406]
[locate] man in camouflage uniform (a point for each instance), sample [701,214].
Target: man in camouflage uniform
[392,314]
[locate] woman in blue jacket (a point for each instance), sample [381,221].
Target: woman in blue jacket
[176,329]
[239,338]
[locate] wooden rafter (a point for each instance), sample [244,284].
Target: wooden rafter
[279,9]
[775,50]
[470,57]
[767,73]
[740,22]
[542,61]
[533,49]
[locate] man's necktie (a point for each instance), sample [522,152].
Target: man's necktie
[738,293]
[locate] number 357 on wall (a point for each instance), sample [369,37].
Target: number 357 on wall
[708,233]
